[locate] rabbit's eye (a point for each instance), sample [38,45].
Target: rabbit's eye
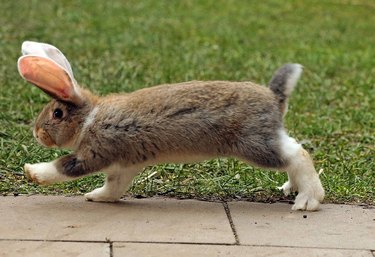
[58,113]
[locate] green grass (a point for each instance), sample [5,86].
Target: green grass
[124,45]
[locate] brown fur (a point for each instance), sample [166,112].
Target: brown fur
[202,119]
[121,134]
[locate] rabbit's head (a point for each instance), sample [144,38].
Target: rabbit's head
[61,120]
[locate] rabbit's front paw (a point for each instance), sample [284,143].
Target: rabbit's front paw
[101,195]
[43,173]
[38,172]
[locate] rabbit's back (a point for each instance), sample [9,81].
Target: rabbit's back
[195,99]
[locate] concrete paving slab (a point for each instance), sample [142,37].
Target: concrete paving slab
[335,226]
[185,250]
[73,218]
[55,249]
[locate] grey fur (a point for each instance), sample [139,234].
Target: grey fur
[182,122]
[190,118]
[281,83]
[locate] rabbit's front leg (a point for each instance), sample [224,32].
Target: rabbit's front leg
[117,182]
[68,167]
[44,173]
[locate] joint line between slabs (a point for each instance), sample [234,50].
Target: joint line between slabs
[174,243]
[110,249]
[308,247]
[112,242]
[229,216]
[181,243]
[57,241]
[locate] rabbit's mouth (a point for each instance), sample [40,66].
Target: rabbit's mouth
[43,138]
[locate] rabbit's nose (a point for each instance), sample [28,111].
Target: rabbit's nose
[44,138]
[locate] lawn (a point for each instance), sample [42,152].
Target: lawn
[119,46]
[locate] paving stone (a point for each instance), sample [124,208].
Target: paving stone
[55,249]
[185,250]
[335,226]
[73,218]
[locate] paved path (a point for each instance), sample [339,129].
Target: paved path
[69,226]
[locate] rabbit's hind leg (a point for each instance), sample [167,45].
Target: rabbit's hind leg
[302,175]
[117,182]
[280,152]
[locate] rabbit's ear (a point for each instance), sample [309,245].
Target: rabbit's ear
[50,77]
[48,51]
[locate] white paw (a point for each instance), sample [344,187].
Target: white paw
[287,188]
[310,198]
[43,173]
[101,195]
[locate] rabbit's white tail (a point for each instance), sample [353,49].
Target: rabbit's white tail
[284,81]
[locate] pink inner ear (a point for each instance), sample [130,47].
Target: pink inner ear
[47,75]
[24,68]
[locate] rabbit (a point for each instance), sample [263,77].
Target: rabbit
[121,134]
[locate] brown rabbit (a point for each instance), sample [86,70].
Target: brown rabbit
[121,134]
